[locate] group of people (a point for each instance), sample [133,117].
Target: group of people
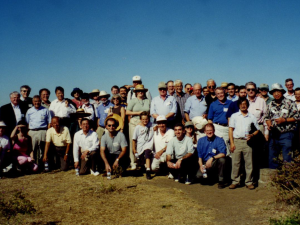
[193,132]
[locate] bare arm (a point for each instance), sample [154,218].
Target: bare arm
[102,153]
[123,116]
[67,151]
[187,118]
[232,146]
[134,146]
[45,159]
[130,113]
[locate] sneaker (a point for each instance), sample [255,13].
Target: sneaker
[8,168]
[133,167]
[177,178]
[250,187]
[188,181]
[170,176]
[148,174]
[96,173]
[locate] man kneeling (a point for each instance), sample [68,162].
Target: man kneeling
[211,152]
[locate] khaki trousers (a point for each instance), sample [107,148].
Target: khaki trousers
[38,139]
[134,121]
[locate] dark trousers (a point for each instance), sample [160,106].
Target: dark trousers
[59,158]
[186,168]
[111,158]
[218,165]
[90,163]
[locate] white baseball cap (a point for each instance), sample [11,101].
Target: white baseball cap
[136,78]
[161,118]
[2,124]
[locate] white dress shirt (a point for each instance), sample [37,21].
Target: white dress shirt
[18,113]
[89,109]
[89,142]
[59,109]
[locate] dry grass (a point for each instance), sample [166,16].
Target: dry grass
[63,198]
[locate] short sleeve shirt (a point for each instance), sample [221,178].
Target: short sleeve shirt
[208,148]
[136,105]
[160,141]
[217,111]
[144,137]
[4,144]
[114,144]
[59,139]
[180,148]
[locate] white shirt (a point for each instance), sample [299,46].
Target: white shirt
[160,141]
[17,111]
[288,96]
[89,109]
[84,142]
[59,109]
[4,144]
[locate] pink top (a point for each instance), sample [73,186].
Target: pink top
[21,145]
[77,103]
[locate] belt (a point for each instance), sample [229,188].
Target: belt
[102,126]
[222,124]
[241,139]
[38,129]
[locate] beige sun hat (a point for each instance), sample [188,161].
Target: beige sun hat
[94,92]
[2,124]
[104,94]
[199,122]
[140,87]
[277,87]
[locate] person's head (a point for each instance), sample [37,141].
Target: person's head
[140,91]
[224,85]
[170,87]
[36,101]
[162,88]
[115,90]
[211,85]
[289,84]
[242,91]
[60,93]
[205,91]
[44,94]
[251,89]
[145,117]
[123,92]
[209,130]
[111,125]
[220,93]
[243,104]
[136,80]
[25,91]
[116,99]
[161,121]
[85,99]
[179,130]
[104,96]
[55,123]
[85,125]
[231,89]
[22,127]
[197,89]
[236,91]
[189,128]
[297,94]
[14,98]
[264,89]
[76,93]
[2,128]
[187,88]
[178,86]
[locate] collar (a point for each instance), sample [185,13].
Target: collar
[15,106]
[202,97]
[166,96]
[240,113]
[254,100]
[211,139]
[88,133]
[57,101]
[181,95]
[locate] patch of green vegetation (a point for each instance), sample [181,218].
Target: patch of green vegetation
[294,219]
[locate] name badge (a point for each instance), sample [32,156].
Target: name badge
[225,109]
[168,103]
[214,151]
[116,144]
[30,105]
[106,110]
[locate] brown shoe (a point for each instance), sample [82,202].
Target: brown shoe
[250,187]
[233,186]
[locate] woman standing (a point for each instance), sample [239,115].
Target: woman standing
[76,93]
[135,107]
[118,109]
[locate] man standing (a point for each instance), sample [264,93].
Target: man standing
[239,133]
[102,111]
[94,95]
[188,89]
[289,84]
[180,155]
[205,91]
[136,80]
[181,98]
[164,104]
[13,112]
[45,94]
[281,117]
[38,119]
[88,108]
[196,104]
[264,89]
[231,92]
[211,97]
[113,146]
[25,92]
[171,87]
[86,144]
[211,152]
[123,94]
[217,115]
[60,137]
[61,107]
[162,136]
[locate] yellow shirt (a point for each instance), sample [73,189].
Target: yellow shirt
[59,139]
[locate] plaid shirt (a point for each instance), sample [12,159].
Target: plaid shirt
[286,109]
[181,101]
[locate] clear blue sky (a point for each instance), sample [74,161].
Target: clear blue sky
[96,44]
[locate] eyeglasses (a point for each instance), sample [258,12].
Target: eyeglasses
[111,125]
[24,91]
[251,89]
[211,86]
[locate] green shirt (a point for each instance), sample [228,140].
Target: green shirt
[136,105]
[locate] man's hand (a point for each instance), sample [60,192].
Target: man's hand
[280,120]
[232,147]
[267,137]
[204,116]
[170,165]
[209,162]
[76,164]
[84,154]
[202,169]
[107,167]
[66,103]
[116,164]
[158,154]
[178,164]
[45,159]
[65,157]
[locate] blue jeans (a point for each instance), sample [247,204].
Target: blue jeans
[279,142]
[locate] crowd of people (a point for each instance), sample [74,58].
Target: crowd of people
[189,131]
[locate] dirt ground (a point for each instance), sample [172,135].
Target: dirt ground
[63,198]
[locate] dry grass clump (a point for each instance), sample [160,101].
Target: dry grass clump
[63,198]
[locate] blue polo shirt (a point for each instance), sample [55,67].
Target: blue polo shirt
[208,148]
[217,111]
[233,108]
[102,112]
[164,107]
[195,107]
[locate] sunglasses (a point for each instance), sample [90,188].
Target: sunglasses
[251,89]
[111,125]
[162,89]
[211,86]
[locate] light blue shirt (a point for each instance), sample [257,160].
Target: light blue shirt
[38,118]
[144,137]
[234,98]
[102,112]
[195,107]
[163,107]
[241,124]
[180,148]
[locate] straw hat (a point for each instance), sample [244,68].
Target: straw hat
[80,113]
[117,118]
[140,87]
[95,92]
[104,94]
